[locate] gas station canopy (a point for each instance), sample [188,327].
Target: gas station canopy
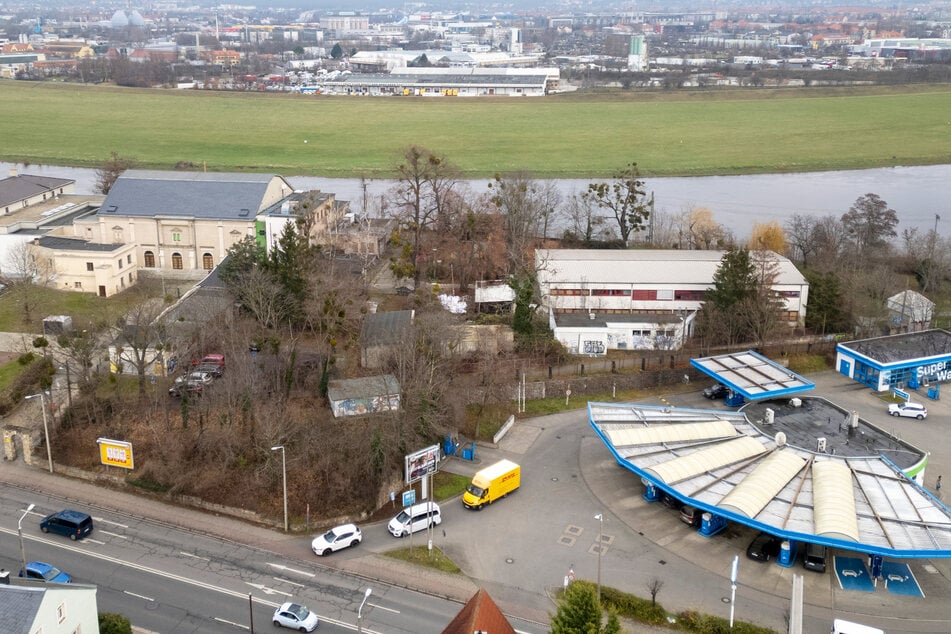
[752,375]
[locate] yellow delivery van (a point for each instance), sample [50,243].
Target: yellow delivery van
[489,484]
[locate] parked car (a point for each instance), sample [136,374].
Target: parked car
[337,538]
[670,501]
[213,369]
[195,378]
[814,557]
[178,391]
[691,515]
[210,359]
[909,410]
[45,572]
[415,518]
[296,617]
[717,390]
[763,547]
[73,524]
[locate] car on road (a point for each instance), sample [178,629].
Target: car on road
[908,410]
[296,617]
[337,538]
[763,547]
[715,391]
[73,524]
[48,573]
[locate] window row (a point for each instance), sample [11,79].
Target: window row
[207,261]
[635,295]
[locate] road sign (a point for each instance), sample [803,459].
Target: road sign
[409,498]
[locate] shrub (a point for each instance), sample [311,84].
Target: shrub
[111,623]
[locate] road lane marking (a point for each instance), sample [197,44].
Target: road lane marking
[377,605]
[232,623]
[113,534]
[266,590]
[293,583]
[139,596]
[300,572]
[105,521]
[94,541]
[182,552]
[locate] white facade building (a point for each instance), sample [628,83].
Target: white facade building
[641,298]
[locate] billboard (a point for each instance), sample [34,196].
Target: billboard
[115,453]
[421,463]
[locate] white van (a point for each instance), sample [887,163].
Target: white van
[415,518]
[840,626]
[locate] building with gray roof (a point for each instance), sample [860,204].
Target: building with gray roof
[908,361]
[182,221]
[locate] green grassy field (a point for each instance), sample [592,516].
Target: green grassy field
[671,133]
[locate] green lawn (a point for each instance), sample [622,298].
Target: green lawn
[669,133]
[86,309]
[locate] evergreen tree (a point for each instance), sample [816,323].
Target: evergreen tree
[826,312]
[337,51]
[578,611]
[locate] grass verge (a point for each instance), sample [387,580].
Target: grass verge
[420,556]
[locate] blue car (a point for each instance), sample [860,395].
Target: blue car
[45,572]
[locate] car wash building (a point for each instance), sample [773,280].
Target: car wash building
[911,360]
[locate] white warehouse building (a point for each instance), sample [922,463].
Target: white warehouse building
[599,300]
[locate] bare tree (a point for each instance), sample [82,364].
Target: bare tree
[584,223]
[26,272]
[111,170]
[141,338]
[654,586]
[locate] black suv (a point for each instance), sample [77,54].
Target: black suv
[717,390]
[763,547]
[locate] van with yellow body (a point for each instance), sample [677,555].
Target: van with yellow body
[491,483]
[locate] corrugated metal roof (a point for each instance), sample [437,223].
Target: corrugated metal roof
[752,495]
[863,503]
[657,266]
[709,459]
[833,500]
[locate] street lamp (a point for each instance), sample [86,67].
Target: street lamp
[366,596]
[284,470]
[20,534]
[46,429]
[600,518]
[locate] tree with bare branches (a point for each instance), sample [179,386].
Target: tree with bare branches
[111,170]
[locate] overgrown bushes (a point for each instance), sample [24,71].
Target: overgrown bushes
[36,376]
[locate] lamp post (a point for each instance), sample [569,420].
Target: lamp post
[46,429]
[366,596]
[600,518]
[20,534]
[284,471]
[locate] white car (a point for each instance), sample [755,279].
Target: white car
[337,538]
[295,616]
[195,378]
[911,410]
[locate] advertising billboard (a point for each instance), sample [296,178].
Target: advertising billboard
[115,453]
[421,463]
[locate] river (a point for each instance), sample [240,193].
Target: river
[918,194]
